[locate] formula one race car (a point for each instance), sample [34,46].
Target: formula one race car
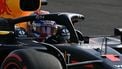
[20,52]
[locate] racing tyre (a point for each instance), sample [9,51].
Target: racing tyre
[30,59]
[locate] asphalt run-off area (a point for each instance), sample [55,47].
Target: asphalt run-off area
[101,16]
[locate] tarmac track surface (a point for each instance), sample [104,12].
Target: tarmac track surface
[101,16]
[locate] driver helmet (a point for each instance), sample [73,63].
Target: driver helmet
[43,29]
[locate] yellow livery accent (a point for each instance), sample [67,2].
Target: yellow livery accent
[4,32]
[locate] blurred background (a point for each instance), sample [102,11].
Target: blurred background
[101,16]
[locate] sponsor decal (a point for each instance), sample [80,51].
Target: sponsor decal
[4,8]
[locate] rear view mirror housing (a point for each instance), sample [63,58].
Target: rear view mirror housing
[118,32]
[31,5]
[44,2]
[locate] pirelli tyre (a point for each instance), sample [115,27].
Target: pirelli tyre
[30,59]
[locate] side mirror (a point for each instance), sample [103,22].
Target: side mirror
[29,5]
[44,2]
[76,18]
[118,32]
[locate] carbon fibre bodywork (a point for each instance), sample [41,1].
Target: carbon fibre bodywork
[78,54]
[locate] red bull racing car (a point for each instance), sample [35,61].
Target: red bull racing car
[79,52]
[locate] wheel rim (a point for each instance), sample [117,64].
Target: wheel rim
[12,65]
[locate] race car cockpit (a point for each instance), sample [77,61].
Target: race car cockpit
[63,19]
